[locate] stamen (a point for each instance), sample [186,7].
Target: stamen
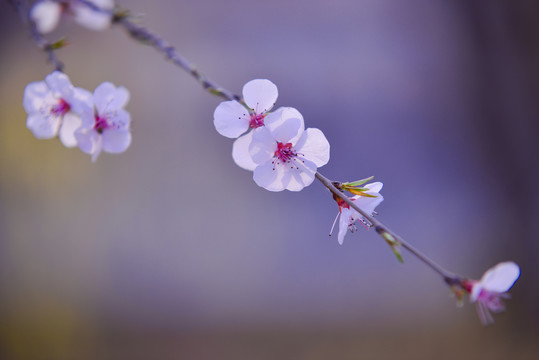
[334,222]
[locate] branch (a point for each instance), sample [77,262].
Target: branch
[49,48]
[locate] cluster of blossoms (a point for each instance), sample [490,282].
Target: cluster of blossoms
[93,122]
[282,154]
[47,13]
[274,145]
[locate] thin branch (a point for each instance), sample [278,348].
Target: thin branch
[148,37]
[383,231]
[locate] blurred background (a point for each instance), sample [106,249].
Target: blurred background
[170,251]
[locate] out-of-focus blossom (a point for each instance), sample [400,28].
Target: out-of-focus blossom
[54,107]
[108,128]
[488,292]
[231,118]
[47,13]
[286,155]
[366,202]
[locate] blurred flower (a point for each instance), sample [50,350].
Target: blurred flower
[348,217]
[488,292]
[54,107]
[286,155]
[108,128]
[46,14]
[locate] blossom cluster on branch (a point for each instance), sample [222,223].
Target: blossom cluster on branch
[273,144]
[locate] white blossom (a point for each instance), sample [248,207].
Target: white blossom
[54,107]
[348,216]
[108,128]
[488,292]
[47,13]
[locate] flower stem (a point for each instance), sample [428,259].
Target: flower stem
[386,233]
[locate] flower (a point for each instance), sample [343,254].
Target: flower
[54,107]
[286,155]
[231,118]
[108,128]
[348,217]
[488,292]
[46,14]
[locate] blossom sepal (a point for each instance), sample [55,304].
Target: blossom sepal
[355,187]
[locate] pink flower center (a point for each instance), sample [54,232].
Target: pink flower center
[61,108]
[100,124]
[257,120]
[285,153]
[492,300]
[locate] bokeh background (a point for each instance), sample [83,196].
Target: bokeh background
[170,251]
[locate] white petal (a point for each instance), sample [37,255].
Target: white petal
[368,204]
[476,290]
[35,94]
[344,220]
[298,175]
[260,95]
[91,19]
[287,130]
[314,146]
[80,101]
[70,123]
[374,187]
[120,119]
[103,96]
[43,127]
[279,116]
[269,177]
[116,141]
[104,4]
[87,140]
[231,119]
[46,15]
[263,146]
[240,152]
[60,85]
[501,277]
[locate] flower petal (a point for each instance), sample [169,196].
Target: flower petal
[240,152]
[43,127]
[269,177]
[231,119]
[260,95]
[298,175]
[501,277]
[70,123]
[92,19]
[87,140]
[81,101]
[263,146]
[103,95]
[278,117]
[344,220]
[35,94]
[374,187]
[287,131]
[46,15]
[120,119]
[116,141]
[314,146]
[60,85]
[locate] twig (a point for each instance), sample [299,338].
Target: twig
[39,40]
